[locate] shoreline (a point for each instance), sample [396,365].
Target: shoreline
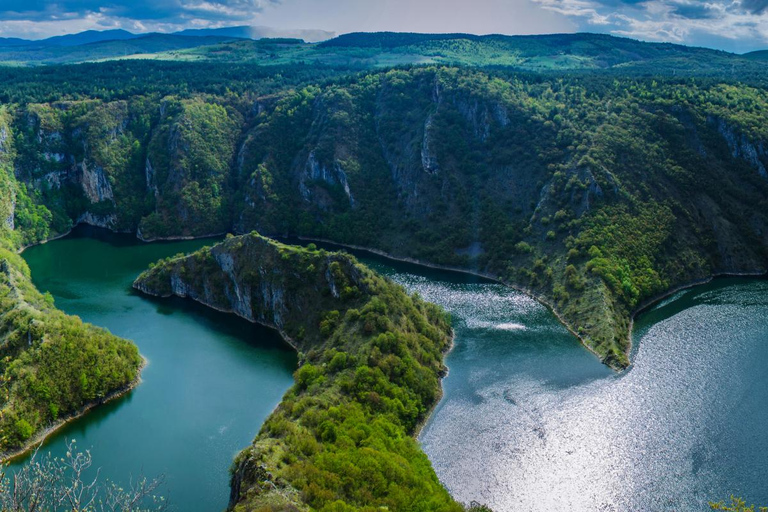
[169,238]
[290,342]
[441,393]
[490,277]
[653,301]
[38,439]
[648,303]
[645,305]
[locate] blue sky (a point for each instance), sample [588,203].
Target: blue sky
[735,25]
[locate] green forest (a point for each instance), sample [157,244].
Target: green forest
[371,360]
[594,173]
[568,187]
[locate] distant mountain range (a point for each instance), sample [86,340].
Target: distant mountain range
[93,45]
[247,32]
[267,46]
[97,36]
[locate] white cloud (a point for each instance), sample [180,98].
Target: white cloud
[70,16]
[578,8]
[680,21]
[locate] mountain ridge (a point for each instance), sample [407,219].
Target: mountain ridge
[368,50]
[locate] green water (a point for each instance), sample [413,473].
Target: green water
[211,381]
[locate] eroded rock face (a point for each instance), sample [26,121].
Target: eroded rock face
[316,172]
[428,156]
[94,182]
[149,177]
[262,281]
[102,221]
[755,153]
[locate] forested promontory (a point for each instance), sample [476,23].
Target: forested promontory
[371,360]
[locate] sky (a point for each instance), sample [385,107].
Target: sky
[733,25]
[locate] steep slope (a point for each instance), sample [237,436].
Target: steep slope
[371,359]
[593,209]
[594,194]
[52,366]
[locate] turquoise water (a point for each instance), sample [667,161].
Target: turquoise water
[211,381]
[530,420]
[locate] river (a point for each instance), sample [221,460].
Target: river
[530,419]
[211,381]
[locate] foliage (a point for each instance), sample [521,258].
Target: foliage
[736,505]
[52,364]
[372,360]
[511,174]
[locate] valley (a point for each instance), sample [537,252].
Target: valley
[585,174]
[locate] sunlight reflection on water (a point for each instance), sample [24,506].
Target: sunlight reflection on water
[532,421]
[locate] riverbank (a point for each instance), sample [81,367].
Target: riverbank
[373,355]
[650,303]
[483,275]
[441,392]
[37,440]
[530,293]
[640,309]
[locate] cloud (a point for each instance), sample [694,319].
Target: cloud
[731,23]
[33,18]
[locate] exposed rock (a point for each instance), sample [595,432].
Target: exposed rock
[428,157]
[755,153]
[102,221]
[256,279]
[316,172]
[149,176]
[10,221]
[3,140]
[53,179]
[94,182]
[54,157]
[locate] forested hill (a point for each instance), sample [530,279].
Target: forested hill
[52,366]
[341,439]
[366,51]
[594,193]
[545,53]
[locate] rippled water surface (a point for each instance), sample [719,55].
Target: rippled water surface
[212,378]
[532,422]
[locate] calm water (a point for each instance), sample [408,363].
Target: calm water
[212,378]
[532,422]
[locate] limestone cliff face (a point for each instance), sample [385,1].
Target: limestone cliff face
[317,173]
[94,182]
[262,281]
[755,153]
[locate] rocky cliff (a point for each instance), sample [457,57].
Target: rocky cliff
[593,195]
[263,281]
